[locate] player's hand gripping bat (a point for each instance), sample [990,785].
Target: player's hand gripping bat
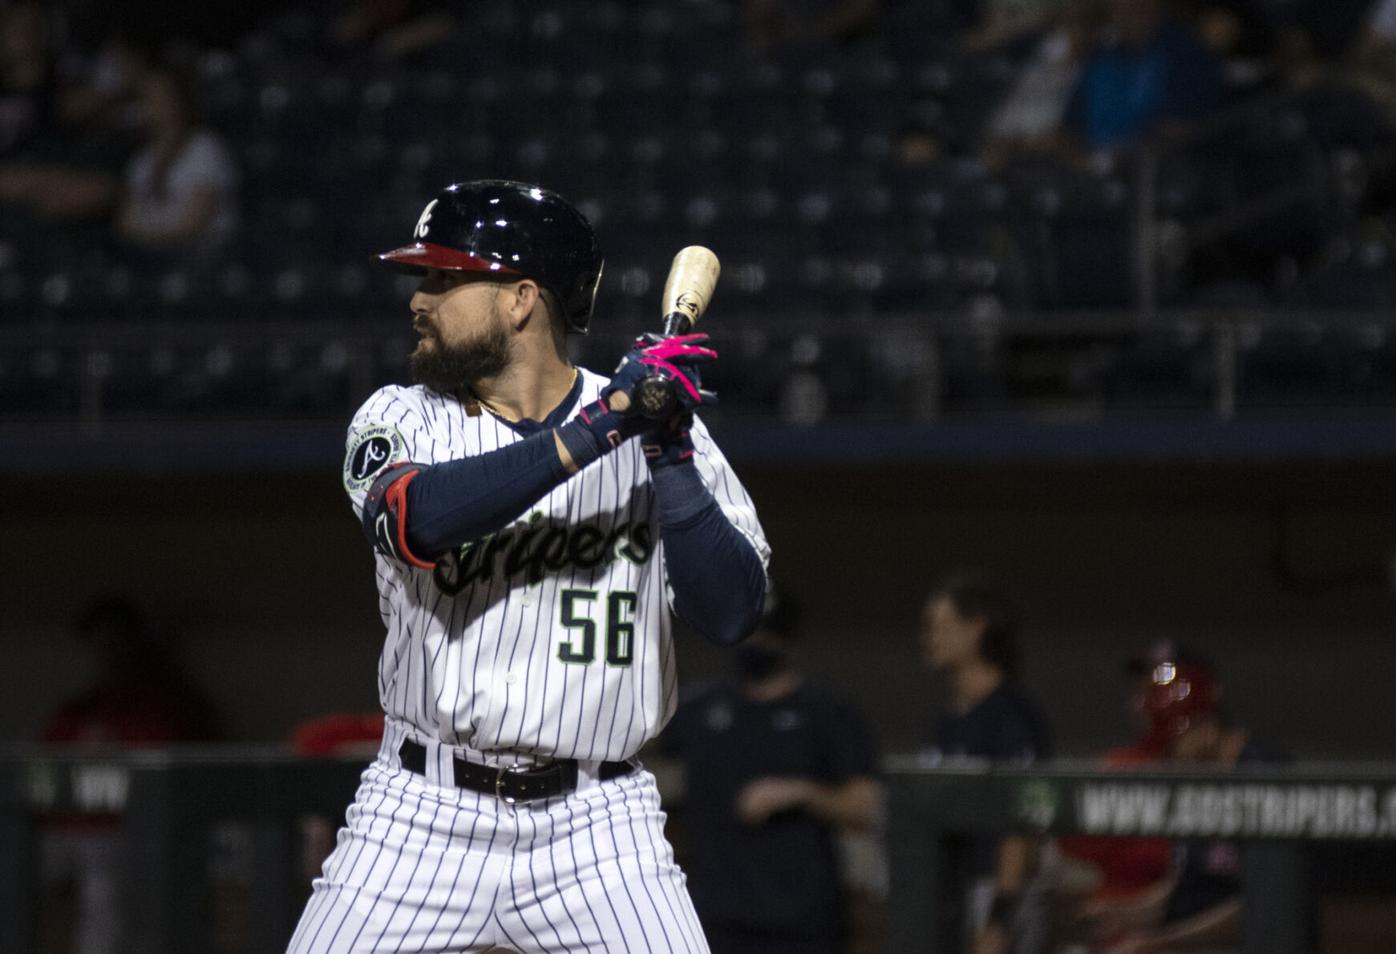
[687,291]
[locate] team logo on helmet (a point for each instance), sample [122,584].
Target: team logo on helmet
[423,226]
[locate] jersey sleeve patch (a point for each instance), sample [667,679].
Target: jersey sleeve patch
[371,451]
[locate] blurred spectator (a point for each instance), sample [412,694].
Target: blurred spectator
[42,165]
[969,632]
[393,28]
[1003,22]
[919,145]
[1029,119]
[28,79]
[1237,33]
[1379,35]
[1150,75]
[1328,27]
[104,95]
[775,769]
[177,193]
[776,23]
[180,189]
[1374,56]
[336,735]
[1199,905]
[1110,871]
[135,699]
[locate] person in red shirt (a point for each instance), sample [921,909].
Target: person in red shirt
[136,699]
[1126,871]
[343,735]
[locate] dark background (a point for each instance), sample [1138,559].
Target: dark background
[264,585]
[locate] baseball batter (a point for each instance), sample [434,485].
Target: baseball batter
[532,536]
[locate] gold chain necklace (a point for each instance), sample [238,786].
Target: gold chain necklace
[489,406]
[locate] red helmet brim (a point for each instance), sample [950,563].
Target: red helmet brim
[420,256]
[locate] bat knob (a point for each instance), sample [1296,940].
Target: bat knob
[654,398]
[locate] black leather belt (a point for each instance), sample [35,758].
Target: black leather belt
[558,777]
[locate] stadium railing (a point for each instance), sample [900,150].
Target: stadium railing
[172,805]
[1277,815]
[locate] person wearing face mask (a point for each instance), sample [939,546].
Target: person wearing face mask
[776,770]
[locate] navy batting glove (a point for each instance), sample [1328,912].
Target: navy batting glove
[599,428]
[675,360]
[669,446]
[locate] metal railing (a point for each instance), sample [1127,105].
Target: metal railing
[171,804]
[896,365]
[1275,814]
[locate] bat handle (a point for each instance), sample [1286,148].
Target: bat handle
[677,323]
[654,396]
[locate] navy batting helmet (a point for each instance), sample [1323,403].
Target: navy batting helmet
[513,230]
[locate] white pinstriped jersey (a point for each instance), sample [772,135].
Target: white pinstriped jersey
[552,636]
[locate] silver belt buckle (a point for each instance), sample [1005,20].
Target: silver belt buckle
[499,785]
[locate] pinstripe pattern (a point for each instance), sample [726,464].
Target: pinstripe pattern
[476,670]
[480,668]
[424,867]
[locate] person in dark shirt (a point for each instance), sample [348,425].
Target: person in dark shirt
[1152,74]
[776,769]
[969,633]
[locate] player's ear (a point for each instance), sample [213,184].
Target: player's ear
[520,299]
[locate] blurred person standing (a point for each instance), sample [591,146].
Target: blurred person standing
[776,771]
[136,699]
[969,632]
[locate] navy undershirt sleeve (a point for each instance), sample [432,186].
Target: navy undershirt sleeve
[718,580]
[455,502]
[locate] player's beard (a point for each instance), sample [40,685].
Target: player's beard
[446,368]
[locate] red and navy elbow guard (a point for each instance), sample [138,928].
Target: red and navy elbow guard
[385,514]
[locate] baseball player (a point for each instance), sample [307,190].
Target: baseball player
[532,535]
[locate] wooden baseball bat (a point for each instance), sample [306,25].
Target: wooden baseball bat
[689,288]
[687,291]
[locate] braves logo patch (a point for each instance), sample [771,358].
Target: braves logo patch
[370,451]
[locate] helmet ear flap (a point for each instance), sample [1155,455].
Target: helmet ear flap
[579,318]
